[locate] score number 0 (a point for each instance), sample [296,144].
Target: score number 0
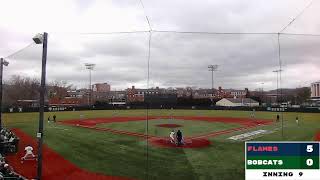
[309,162]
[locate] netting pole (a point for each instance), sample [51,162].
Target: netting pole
[280,69]
[1,72]
[148,104]
[3,62]
[41,110]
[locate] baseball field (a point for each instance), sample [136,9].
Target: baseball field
[134,144]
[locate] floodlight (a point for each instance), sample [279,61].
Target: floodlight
[89,66]
[6,63]
[38,39]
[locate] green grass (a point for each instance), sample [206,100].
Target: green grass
[189,127]
[122,155]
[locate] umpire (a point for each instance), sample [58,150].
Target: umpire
[179,138]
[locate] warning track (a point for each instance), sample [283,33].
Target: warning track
[54,166]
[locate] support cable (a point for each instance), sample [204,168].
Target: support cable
[20,50]
[285,27]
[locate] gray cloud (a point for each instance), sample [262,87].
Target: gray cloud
[182,59]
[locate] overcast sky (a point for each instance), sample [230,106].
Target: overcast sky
[177,59]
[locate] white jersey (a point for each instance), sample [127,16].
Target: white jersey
[172,135]
[28,149]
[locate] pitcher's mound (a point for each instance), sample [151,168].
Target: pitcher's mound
[169,125]
[189,143]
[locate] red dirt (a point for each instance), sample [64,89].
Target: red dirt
[190,143]
[169,125]
[95,121]
[227,131]
[317,136]
[54,166]
[241,121]
[245,123]
[116,131]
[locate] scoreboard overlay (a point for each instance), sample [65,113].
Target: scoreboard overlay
[282,160]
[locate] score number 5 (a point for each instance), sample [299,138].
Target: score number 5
[309,149]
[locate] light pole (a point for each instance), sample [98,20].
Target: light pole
[2,63]
[212,68]
[90,67]
[41,39]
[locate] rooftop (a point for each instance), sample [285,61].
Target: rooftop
[241,100]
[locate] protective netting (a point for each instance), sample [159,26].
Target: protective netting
[154,72]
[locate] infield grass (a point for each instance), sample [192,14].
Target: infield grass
[122,155]
[189,127]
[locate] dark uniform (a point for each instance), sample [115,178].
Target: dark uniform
[54,118]
[179,137]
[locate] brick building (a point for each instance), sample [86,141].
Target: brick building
[138,95]
[101,87]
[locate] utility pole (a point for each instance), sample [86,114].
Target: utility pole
[41,39]
[2,63]
[90,67]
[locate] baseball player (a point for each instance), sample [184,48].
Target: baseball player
[29,152]
[172,140]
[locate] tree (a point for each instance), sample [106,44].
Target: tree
[26,88]
[20,88]
[58,89]
[303,94]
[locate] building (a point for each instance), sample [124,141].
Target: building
[184,92]
[101,87]
[67,102]
[28,103]
[239,93]
[80,93]
[117,97]
[233,102]
[222,93]
[135,95]
[139,95]
[315,90]
[204,94]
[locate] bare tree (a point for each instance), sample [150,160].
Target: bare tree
[26,88]
[58,89]
[20,88]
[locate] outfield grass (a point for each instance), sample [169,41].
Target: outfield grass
[189,127]
[122,155]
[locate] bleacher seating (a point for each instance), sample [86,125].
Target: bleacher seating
[8,144]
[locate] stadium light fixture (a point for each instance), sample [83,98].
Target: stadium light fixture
[38,39]
[41,39]
[212,68]
[3,63]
